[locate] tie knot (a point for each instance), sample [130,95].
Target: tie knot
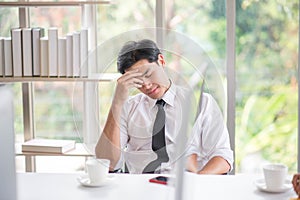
[160,102]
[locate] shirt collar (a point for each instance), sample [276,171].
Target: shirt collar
[168,97]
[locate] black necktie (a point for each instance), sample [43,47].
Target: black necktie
[158,139]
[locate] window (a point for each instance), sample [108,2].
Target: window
[266,93]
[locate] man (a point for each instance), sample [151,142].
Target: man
[127,134]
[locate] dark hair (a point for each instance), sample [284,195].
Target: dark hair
[133,51]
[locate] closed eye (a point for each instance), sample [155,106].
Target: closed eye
[147,73]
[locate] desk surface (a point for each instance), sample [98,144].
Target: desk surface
[37,186]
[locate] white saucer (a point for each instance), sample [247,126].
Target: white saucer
[85,181]
[261,185]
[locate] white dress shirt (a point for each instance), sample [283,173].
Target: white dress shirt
[136,124]
[210,136]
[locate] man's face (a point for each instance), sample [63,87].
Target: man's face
[155,81]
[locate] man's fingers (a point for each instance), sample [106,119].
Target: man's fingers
[137,85]
[130,82]
[138,80]
[128,77]
[131,74]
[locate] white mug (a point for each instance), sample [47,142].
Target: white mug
[275,175]
[97,170]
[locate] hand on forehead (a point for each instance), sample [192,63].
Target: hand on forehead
[150,72]
[143,67]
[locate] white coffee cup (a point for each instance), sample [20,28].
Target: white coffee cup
[97,170]
[275,175]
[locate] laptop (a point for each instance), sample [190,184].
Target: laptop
[7,145]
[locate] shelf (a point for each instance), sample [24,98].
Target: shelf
[105,77]
[80,150]
[50,3]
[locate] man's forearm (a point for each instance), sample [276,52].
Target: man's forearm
[108,145]
[217,165]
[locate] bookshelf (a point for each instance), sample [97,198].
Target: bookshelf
[105,77]
[90,95]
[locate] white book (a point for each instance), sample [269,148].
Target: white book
[37,33]
[76,54]
[44,65]
[16,39]
[27,51]
[52,50]
[84,69]
[48,145]
[8,66]
[62,61]
[2,56]
[69,55]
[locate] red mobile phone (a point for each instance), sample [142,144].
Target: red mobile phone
[160,180]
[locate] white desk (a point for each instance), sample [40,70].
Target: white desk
[40,186]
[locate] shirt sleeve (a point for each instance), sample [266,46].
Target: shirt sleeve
[210,136]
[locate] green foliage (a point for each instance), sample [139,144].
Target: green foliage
[56,111]
[8,19]
[266,68]
[269,125]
